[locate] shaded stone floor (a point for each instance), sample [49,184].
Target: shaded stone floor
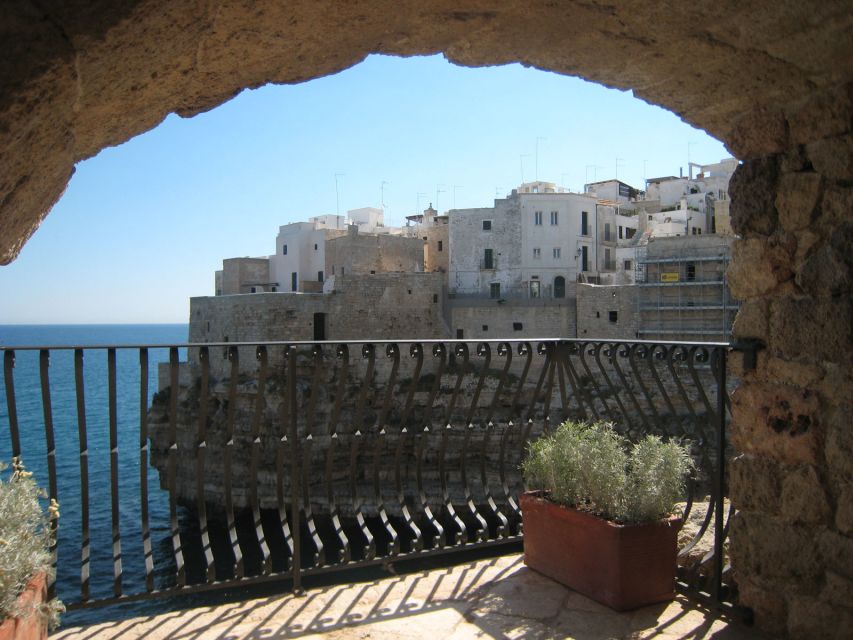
[491,598]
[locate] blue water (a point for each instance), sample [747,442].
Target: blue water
[31,422]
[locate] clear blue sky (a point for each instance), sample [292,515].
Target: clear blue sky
[143,226]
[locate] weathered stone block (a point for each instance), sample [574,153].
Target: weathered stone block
[752,320]
[768,549]
[753,194]
[836,206]
[782,421]
[838,590]
[760,133]
[833,157]
[754,482]
[804,498]
[768,605]
[809,617]
[844,511]
[824,273]
[812,329]
[797,199]
[827,113]
[836,551]
[839,443]
[751,272]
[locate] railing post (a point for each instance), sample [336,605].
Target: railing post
[720,475]
[295,471]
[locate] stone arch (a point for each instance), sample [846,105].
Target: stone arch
[774,81]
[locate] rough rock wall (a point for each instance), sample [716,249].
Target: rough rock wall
[792,540]
[81,75]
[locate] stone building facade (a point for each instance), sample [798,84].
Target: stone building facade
[607,311]
[359,253]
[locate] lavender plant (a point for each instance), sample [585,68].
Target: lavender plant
[26,535]
[589,466]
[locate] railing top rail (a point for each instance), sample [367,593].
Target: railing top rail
[299,343]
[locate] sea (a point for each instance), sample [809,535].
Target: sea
[28,394]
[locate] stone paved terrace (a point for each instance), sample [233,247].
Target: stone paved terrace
[491,598]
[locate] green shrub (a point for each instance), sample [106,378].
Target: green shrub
[591,467]
[26,536]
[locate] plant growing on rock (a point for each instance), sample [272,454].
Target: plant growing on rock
[26,536]
[590,467]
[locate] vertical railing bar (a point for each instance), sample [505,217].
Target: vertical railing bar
[201,458]
[549,394]
[334,513]
[8,367]
[234,358]
[310,418]
[720,479]
[367,351]
[506,351]
[284,417]
[415,351]
[295,473]
[143,469]
[177,548]
[261,354]
[114,495]
[44,375]
[525,349]
[84,475]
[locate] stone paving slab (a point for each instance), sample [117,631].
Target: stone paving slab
[492,598]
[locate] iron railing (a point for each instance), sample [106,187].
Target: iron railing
[281,460]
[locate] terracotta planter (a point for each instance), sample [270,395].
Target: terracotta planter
[621,566]
[32,627]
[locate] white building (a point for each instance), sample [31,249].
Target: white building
[536,241]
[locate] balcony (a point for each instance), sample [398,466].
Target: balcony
[281,462]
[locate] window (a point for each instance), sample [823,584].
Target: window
[627,265]
[294,279]
[284,249]
[607,232]
[434,298]
[537,253]
[553,217]
[274,289]
[319,276]
[557,251]
[495,290]
[584,223]
[333,269]
[691,271]
[489,259]
[315,246]
[535,288]
[629,232]
[440,245]
[584,258]
[650,218]
[253,290]
[613,316]
[608,264]
[485,327]
[517,326]
[487,225]
[460,334]
[372,272]
[537,218]
[620,231]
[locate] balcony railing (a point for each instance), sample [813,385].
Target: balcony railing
[277,461]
